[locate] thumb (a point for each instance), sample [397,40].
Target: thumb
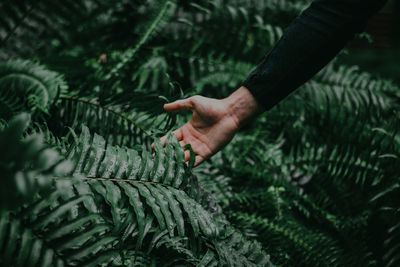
[179,105]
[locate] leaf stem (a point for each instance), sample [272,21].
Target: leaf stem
[76,99]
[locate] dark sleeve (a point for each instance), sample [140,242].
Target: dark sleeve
[309,43]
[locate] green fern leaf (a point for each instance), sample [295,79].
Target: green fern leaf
[39,86]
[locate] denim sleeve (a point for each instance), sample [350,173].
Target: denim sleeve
[309,43]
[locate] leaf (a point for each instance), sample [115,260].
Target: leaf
[39,86]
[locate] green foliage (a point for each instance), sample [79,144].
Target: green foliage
[313,182]
[321,190]
[109,204]
[27,165]
[25,86]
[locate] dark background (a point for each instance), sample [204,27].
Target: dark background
[382,56]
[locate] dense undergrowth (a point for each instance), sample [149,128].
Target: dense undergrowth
[312,182]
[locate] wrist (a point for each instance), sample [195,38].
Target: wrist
[242,106]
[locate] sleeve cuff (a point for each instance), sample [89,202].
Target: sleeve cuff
[257,89]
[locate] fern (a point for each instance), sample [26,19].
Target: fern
[23,21]
[132,203]
[27,167]
[119,130]
[37,212]
[129,54]
[39,87]
[155,188]
[313,183]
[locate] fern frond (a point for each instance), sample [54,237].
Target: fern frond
[153,189]
[119,129]
[27,167]
[56,230]
[129,54]
[352,77]
[93,158]
[39,86]
[26,26]
[299,240]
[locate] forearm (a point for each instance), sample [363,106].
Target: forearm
[310,42]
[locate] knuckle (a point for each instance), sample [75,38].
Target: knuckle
[194,99]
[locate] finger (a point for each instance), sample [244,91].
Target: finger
[179,105]
[187,155]
[178,133]
[163,139]
[182,144]
[154,154]
[198,160]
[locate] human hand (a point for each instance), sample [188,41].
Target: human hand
[214,122]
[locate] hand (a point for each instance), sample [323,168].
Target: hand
[214,122]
